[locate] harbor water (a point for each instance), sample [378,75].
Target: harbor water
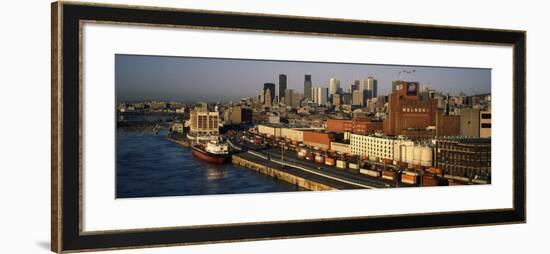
[149,165]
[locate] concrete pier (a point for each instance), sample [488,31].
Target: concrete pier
[184,143]
[280,174]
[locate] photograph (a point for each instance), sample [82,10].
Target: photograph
[207,126]
[175,125]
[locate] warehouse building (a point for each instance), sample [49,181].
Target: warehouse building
[376,147]
[465,157]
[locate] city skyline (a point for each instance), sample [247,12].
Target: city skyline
[189,79]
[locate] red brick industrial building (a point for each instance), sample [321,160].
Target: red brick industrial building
[447,125]
[359,126]
[406,109]
[318,139]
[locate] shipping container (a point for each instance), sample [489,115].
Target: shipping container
[369,172]
[411,173]
[430,180]
[435,171]
[388,175]
[341,164]
[410,179]
[402,164]
[353,165]
[319,159]
[329,161]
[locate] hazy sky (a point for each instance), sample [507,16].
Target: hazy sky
[210,79]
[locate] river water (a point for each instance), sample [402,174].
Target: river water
[149,165]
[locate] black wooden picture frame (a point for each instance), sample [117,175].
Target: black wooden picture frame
[66,124]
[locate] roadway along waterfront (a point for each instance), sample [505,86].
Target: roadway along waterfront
[300,173]
[346,174]
[315,172]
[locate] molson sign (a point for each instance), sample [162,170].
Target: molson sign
[412,88]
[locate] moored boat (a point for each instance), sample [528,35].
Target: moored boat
[213,151]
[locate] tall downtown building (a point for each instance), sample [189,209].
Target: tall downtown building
[282,87]
[334,87]
[271,88]
[355,86]
[370,87]
[307,87]
[320,95]
[292,98]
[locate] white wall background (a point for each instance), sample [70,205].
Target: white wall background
[25,121]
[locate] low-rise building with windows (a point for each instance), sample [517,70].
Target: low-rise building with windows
[465,157]
[377,147]
[204,122]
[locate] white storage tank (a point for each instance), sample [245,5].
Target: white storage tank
[416,155]
[409,154]
[426,156]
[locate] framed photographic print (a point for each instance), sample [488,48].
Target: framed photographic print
[177,126]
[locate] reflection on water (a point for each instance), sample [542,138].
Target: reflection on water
[213,174]
[148,165]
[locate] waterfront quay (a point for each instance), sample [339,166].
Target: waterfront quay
[305,174]
[300,178]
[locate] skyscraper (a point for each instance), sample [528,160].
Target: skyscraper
[347,98]
[334,87]
[282,86]
[268,98]
[354,87]
[372,87]
[320,95]
[288,97]
[369,87]
[307,87]
[271,88]
[292,98]
[358,98]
